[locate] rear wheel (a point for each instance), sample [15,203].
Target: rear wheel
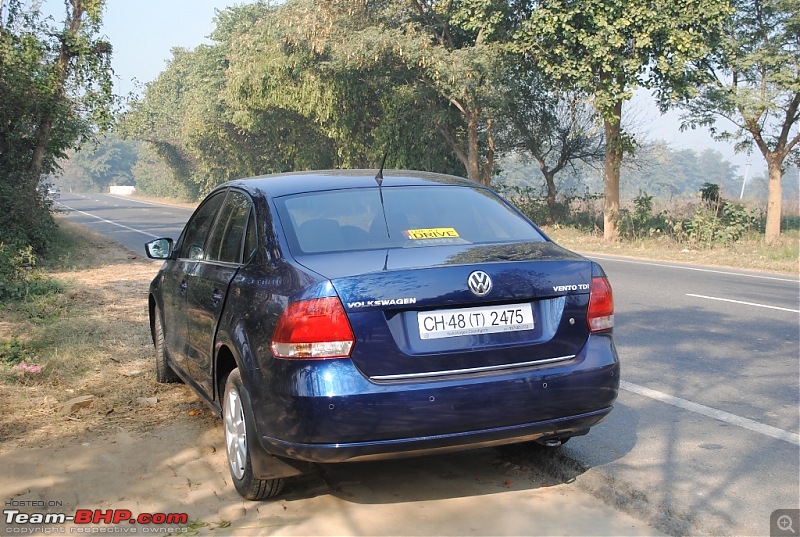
[237,443]
[164,372]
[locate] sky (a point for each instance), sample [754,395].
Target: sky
[143,32]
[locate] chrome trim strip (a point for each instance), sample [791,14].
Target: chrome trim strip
[472,370]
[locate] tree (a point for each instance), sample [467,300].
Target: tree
[203,122]
[608,48]
[755,84]
[558,129]
[55,93]
[340,66]
[442,56]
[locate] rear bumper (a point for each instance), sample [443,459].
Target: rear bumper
[327,411]
[411,447]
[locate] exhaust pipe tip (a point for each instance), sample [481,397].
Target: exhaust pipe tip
[550,442]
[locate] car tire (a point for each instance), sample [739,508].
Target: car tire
[238,440]
[164,373]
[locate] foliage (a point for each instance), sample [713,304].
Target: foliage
[712,222]
[153,177]
[18,276]
[55,90]
[315,84]
[375,78]
[717,223]
[754,84]
[189,121]
[579,211]
[107,161]
[641,222]
[13,352]
[608,48]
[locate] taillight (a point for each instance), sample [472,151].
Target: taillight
[601,305]
[315,328]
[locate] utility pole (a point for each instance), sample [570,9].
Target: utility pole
[746,173]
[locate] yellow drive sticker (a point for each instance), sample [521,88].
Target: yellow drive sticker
[432,233]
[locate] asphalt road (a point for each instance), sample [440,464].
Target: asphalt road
[704,436]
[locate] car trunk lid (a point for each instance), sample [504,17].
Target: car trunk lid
[414,315]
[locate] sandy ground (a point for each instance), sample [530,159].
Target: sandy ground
[181,468]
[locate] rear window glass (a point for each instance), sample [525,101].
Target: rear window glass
[410,217]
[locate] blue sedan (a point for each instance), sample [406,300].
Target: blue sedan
[341,316]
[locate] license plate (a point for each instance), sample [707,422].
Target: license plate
[471,321]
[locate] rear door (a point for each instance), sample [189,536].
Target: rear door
[209,280]
[176,280]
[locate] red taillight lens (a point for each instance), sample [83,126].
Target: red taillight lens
[601,305]
[316,328]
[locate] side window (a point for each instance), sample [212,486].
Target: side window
[225,243]
[251,237]
[194,237]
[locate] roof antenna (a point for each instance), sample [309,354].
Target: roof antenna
[379,175]
[379,180]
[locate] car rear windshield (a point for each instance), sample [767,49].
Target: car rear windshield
[408,217]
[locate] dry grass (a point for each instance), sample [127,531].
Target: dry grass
[752,253]
[92,339]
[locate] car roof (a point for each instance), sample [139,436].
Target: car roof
[283,184]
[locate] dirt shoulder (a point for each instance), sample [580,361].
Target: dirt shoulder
[180,469]
[93,342]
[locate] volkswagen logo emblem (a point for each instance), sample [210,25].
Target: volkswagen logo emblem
[479,283]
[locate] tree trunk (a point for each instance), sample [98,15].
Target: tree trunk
[473,156]
[549,179]
[61,72]
[612,167]
[774,199]
[42,141]
[488,168]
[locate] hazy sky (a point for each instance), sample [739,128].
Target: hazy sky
[144,31]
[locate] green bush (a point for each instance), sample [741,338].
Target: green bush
[718,222]
[641,222]
[25,214]
[18,276]
[12,352]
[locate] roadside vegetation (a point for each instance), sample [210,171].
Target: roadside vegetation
[706,230]
[75,349]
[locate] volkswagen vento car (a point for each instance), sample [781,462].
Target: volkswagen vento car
[342,316]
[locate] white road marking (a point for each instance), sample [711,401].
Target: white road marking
[110,222]
[727,417]
[137,201]
[744,303]
[697,269]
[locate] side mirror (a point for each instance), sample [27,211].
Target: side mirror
[158,248]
